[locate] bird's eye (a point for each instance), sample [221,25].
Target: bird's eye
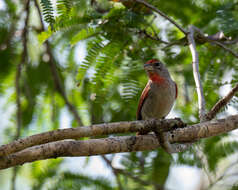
[157,64]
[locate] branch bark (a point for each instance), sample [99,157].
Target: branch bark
[90,131]
[216,39]
[221,103]
[19,69]
[196,75]
[116,173]
[163,15]
[92,147]
[17,84]
[54,70]
[226,48]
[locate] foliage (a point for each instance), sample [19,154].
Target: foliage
[48,12]
[105,82]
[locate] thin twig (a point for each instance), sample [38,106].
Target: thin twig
[220,44]
[17,84]
[202,157]
[128,174]
[155,38]
[224,175]
[116,174]
[228,42]
[55,74]
[163,15]
[19,69]
[138,180]
[196,74]
[59,85]
[216,39]
[221,103]
[14,177]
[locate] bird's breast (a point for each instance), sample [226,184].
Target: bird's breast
[159,101]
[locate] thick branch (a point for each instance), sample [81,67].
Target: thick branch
[196,75]
[89,131]
[221,103]
[204,130]
[71,148]
[162,14]
[92,147]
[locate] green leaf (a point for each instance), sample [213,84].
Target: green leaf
[84,34]
[43,36]
[48,12]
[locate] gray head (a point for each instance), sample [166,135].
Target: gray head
[155,67]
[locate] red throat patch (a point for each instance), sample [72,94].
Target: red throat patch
[156,78]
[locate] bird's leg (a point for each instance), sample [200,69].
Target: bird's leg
[170,148]
[165,144]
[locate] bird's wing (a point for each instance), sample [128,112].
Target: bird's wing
[142,100]
[176,92]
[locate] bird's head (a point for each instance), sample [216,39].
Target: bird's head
[155,68]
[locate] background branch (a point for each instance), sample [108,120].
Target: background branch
[215,39]
[226,48]
[162,14]
[221,103]
[55,74]
[196,75]
[17,85]
[116,173]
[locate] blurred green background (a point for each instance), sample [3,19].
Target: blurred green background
[67,63]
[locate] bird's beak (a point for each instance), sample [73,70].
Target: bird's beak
[148,67]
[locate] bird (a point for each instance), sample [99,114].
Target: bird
[158,96]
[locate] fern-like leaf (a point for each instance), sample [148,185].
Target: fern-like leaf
[84,34]
[63,6]
[48,12]
[94,47]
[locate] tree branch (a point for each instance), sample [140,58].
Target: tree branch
[196,75]
[221,103]
[138,179]
[91,147]
[155,38]
[163,15]
[90,131]
[226,48]
[17,85]
[59,86]
[19,69]
[215,39]
[55,74]
[116,173]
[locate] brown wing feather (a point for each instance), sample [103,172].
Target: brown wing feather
[176,88]
[142,100]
